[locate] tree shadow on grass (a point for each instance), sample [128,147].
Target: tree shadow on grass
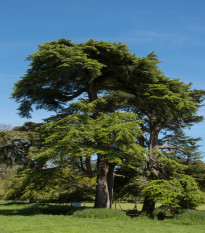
[36,209]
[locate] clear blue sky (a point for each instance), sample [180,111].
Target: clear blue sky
[175,30]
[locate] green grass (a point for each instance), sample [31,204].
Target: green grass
[190,217]
[201,207]
[101,214]
[121,205]
[32,218]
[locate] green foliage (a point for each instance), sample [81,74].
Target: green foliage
[173,188]
[18,145]
[79,135]
[167,192]
[191,195]
[170,168]
[129,182]
[66,146]
[54,184]
[100,214]
[5,176]
[197,170]
[61,71]
[182,192]
[185,149]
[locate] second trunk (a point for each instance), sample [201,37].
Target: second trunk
[105,181]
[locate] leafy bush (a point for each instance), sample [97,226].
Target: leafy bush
[164,191]
[100,214]
[177,192]
[191,195]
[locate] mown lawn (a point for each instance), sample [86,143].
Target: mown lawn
[25,218]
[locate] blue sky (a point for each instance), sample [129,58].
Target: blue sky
[175,30]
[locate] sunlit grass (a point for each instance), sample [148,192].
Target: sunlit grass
[201,207]
[121,205]
[28,218]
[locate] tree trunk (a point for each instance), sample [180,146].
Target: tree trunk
[148,206]
[105,177]
[153,146]
[102,198]
[110,180]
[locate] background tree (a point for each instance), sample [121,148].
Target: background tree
[167,107]
[17,145]
[197,170]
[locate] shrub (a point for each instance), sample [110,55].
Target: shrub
[191,196]
[181,192]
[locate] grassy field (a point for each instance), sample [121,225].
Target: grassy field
[29,219]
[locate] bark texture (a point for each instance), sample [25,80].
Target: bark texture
[105,183]
[102,199]
[110,181]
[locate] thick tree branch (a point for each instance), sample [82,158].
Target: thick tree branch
[170,147]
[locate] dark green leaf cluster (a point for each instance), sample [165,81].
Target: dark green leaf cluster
[61,71]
